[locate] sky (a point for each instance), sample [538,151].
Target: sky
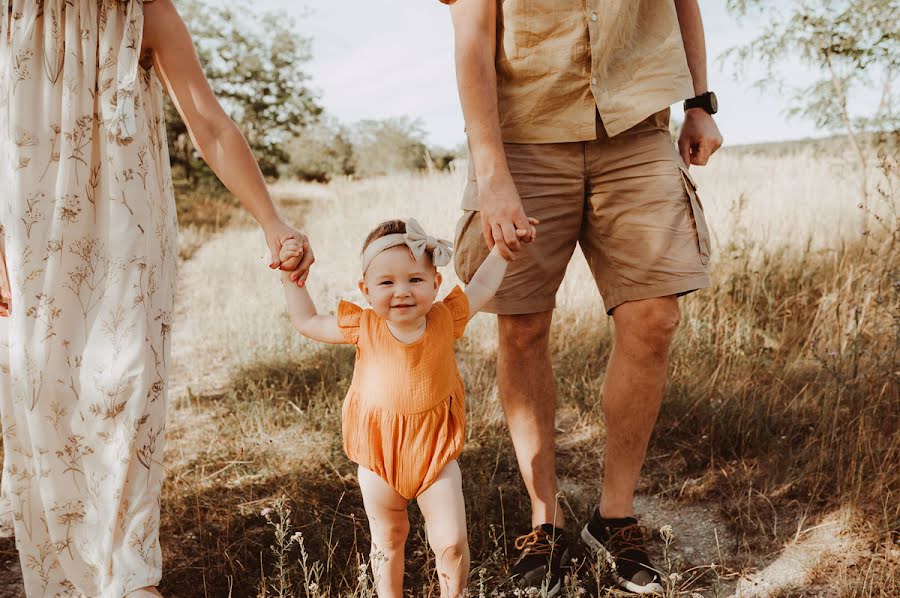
[391,58]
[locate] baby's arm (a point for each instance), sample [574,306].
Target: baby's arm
[301,308]
[490,273]
[486,280]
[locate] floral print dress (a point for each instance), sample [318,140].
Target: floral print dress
[88,224]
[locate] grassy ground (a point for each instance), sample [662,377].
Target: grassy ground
[781,409]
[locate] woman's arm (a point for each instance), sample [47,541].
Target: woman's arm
[214,134]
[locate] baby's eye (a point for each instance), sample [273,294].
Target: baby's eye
[385,282]
[415,279]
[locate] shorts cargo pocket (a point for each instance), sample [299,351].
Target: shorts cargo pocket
[470,248]
[697,216]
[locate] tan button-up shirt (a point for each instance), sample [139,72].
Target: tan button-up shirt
[561,61]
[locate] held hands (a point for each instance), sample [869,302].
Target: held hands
[291,254]
[699,138]
[276,235]
[502,217]
[524,235]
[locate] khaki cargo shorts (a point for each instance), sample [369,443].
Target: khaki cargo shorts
[628,201]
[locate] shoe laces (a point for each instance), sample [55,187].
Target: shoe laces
[535,542]
[629,537]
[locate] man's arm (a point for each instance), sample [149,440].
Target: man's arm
[475,25]
[700,136]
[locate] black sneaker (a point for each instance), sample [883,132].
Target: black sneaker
[621,543]
[543,559]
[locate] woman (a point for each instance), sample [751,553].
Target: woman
[88,227]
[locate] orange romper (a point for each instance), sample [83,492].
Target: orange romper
[404,417]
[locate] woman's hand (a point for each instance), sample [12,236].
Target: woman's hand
[5,293]
[276,234]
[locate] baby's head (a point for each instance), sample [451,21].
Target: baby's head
[400,287]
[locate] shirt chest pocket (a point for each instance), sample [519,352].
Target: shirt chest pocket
[541,36]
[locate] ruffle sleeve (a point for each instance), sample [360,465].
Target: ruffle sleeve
[348,317]
[458,304]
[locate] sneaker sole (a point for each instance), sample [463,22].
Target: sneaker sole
[558,586]
[596,545]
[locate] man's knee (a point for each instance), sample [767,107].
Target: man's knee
[524,332]
[650,322]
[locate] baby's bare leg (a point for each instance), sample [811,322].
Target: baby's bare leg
[444,510]
[389,526]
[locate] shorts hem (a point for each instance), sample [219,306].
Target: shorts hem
[680,286]
[515,308]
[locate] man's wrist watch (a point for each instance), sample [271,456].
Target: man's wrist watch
[707,101]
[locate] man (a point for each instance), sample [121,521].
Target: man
[566,107]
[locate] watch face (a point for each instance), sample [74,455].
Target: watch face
[713,103]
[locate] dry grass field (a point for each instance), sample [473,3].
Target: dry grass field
[772,471]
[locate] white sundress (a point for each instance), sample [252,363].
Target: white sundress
[88,223]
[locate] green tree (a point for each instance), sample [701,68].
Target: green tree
[255,63]
[853,44]
[320,152]
[389,145]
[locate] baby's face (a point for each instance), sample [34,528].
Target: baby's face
[399,288]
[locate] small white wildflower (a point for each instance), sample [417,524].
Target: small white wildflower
[265,512]
[667,534]
[313,587]
[297,537]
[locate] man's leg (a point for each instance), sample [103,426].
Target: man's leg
[527,390]
[632,393]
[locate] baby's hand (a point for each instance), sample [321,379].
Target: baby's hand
[528,235]
[291,253]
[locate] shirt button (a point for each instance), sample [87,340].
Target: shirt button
[594,81]
[593,16]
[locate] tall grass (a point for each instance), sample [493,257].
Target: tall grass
[782,403]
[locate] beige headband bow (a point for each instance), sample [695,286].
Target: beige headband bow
[418,242]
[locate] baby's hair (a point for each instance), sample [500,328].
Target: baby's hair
[388,227]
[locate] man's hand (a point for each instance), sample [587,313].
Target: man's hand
[503,219]
[700,137]
[5,293]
